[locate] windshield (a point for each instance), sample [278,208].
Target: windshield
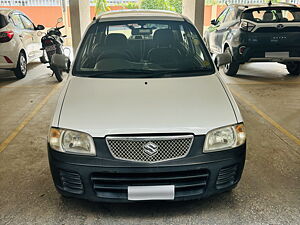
[3,21]
[142,49]
[273,15]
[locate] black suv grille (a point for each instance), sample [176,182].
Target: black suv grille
[115,185]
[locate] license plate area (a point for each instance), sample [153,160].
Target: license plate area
[142,193]
[277,54]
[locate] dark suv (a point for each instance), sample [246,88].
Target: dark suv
[257,33]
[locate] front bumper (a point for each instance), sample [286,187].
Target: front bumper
[107,180]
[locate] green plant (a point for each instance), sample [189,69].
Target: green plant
[172,5]
[131,5]
[101,6]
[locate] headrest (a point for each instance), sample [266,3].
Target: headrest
[164,37]
[268,16]
[116,40]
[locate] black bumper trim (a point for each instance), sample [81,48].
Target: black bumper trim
[194,178]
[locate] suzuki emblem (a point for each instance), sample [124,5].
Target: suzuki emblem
[150,149]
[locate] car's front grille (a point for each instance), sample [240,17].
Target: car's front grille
[227,177]
[71,182]
[150,149]
[115,185]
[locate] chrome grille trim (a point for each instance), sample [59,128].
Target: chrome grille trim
[132,148]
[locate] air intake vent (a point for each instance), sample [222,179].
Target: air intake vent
[71,182]
[227,177]
[115,185]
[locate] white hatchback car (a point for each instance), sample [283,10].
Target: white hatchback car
[145,115]
[20,42]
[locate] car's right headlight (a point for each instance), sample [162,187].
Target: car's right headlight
[70,141]
[225,138]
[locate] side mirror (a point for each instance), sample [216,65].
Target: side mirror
[59,20]
[61,62]
[39,27]
[214,22]
[223,59]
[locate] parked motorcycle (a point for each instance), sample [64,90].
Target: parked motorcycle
[52,43]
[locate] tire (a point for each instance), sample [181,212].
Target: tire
[232,68]
[21,70]
[58,74]
[293,68]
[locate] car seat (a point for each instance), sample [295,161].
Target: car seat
[165,53]
[268,16]
[115,46]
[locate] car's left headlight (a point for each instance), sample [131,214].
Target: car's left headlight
[225,138]
[70,141]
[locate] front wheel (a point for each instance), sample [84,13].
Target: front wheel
[58,74]
[232,68]
[293,68]
[21,70]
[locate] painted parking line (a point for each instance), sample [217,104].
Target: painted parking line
[27,119]
[267,118]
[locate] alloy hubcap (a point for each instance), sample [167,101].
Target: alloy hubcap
[23,64]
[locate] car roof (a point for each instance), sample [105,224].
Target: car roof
[139,14]
[251,6]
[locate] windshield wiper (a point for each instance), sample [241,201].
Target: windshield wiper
[145,73]
[175,72]
[140,73]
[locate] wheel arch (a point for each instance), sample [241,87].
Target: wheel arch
[23,51]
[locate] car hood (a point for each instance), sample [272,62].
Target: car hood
[101,106]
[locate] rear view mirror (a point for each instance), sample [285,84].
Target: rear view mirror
[223,59]
[61,62]
[59,20]
[214,22]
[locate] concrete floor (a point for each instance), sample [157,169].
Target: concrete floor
[269,192]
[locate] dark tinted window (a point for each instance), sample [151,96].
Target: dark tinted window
[129,48]
[3,21]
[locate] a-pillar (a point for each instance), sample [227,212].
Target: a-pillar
[80,19]
[194,10]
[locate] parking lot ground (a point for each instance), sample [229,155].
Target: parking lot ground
[269,191]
